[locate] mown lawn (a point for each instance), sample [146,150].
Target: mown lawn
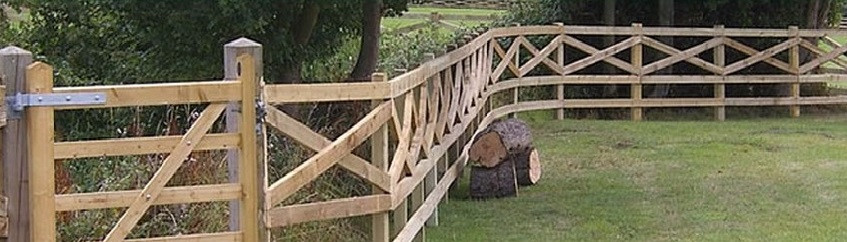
[392,22]
[754,180]
[457,11]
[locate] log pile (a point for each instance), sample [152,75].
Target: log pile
[502,157]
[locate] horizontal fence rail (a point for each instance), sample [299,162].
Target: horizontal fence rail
[420,125]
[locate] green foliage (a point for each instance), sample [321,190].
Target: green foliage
[405,51]
[115,41]
[747,13]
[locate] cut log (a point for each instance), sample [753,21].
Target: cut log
[502,157]
[500,140]
[527,167]
[494,182]
[487,150]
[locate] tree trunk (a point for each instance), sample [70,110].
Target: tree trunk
[666,18]
[301,32]
[609,20]
[304,24]
[369,51]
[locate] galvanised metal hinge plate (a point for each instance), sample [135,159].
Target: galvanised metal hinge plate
[16,104]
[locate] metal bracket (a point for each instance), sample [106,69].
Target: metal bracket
[261,112]
[17,103]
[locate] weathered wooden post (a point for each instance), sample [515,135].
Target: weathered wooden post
[635,89]
[516,91]
[720,88]
[794,61]
[401,211]
[379,158]
[39,119]
[560,60]
[13,63]
[416,199]
[246,165]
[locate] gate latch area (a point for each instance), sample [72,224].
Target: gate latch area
[20,101]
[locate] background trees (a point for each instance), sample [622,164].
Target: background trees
[137,41]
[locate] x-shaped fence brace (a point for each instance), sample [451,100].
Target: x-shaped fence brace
[425,119]
[690,55]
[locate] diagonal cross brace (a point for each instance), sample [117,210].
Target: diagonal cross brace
[154,187]
[833,54]
[328,156]
[541,56]
[506,58]
[607,55]
[303,135]
[756,55]
[689,55]
[819,51]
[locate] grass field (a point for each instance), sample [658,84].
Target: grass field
[755,180]
[457,11]
[393,22]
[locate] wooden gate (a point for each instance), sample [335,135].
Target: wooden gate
[43,151]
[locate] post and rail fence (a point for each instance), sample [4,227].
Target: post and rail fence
[418,129]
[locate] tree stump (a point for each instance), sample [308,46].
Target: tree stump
[494,182]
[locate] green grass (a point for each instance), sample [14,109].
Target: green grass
[393,23]
[457,11]
[390,23]
[755,180]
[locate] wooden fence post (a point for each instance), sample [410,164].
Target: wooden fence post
[794,61]
[247,165]
[720,89]
[560,59]
[13,63]
[635,89]
[39,79]
[515,90]
[432,176]
[416,199]
[379,158]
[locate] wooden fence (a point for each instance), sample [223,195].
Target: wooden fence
[419,128]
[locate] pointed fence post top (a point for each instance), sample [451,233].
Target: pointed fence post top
[237,47]
[14,50]
[242,42]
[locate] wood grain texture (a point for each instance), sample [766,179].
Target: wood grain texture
[40,133]
[139,146]
[13,64]
[169,195]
